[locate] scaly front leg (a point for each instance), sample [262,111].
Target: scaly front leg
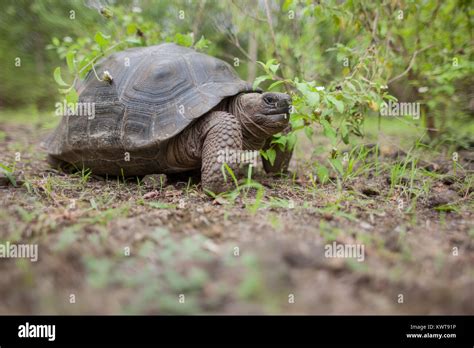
[222,132]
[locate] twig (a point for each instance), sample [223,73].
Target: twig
[359,64]
[374,27]
[245,12]
[235,41]
[197,22]
[95,73]
[410,65]
[99,56]
[270,24]
[232,39]
[272,32]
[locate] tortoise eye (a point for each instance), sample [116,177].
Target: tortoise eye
[269,100]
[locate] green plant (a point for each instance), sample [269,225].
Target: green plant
[8,171]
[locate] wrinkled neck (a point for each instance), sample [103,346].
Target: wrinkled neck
[253,136]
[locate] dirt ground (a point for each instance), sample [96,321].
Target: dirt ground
[158,247]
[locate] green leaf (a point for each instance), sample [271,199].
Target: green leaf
[339,104]
[70,61]
[271,154]
[260,79]
[131,29]
[262,64]
[274,67]
[102,39]
[57,77]
[309,132]
[133,41]
[225,167]
[183,40]
[8,173]
[446,207]
[279,140]
[93,203]
[202,44]
[269,67]
[291,141]
[6,168]
[344,134]
[323,174]
[336,162]
[72,96]
[84,67]
[328,130]
[351,86]
[274,84]
[312,97]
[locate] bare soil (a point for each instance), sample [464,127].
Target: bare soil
[114,247]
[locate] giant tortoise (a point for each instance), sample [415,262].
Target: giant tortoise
[167,109]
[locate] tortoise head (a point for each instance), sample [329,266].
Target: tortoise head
[264,114]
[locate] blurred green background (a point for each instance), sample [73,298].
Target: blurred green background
[420,50]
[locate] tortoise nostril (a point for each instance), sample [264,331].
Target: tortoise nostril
[285,102]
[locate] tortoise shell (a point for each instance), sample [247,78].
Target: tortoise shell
[155,92]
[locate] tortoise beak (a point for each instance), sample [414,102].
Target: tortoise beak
[285,102]
[279,118]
